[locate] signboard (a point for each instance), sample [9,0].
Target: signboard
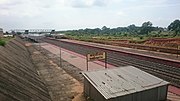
[96,56]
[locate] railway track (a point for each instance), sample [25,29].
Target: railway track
[166,72]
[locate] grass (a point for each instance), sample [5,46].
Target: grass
[3,41]
[134,38]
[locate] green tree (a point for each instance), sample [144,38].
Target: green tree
[175,26]
[105,30]
[132,29]
[146,28]
[147,24]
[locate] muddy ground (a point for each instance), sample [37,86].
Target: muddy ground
[64,83]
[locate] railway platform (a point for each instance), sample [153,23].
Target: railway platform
[75,59]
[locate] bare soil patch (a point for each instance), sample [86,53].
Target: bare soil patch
[64,83]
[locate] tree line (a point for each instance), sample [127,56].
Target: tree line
[144,29]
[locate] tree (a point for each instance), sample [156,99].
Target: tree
[175,26]
[147,24]
[104,28]
[146,28]
[132,29]
[133,26]
[97,31]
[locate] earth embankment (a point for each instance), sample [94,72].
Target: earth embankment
[19,80]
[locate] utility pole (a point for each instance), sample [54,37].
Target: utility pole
[39,41]
[105,60]
[177,50]
[87,62]
[60,57]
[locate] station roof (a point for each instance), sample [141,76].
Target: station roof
[122,81]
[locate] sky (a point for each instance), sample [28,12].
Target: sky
[81,14]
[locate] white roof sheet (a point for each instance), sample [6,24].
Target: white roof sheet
[122,81]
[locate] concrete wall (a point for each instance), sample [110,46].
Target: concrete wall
[19,80]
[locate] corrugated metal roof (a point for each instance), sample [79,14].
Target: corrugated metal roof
[122,81]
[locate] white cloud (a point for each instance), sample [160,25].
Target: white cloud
[3,1]
[80,3]
[101,2]
[21,8]
[121,13]
[69,14]
[86,3]
[32,8]
[146,4]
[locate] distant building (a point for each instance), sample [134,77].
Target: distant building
[59,36]
[124,84]
[8,35]
[1,32]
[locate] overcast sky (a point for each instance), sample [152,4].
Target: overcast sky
[76,14]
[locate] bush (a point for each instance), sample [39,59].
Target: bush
[2,43]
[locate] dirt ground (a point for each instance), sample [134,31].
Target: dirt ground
[63,84]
